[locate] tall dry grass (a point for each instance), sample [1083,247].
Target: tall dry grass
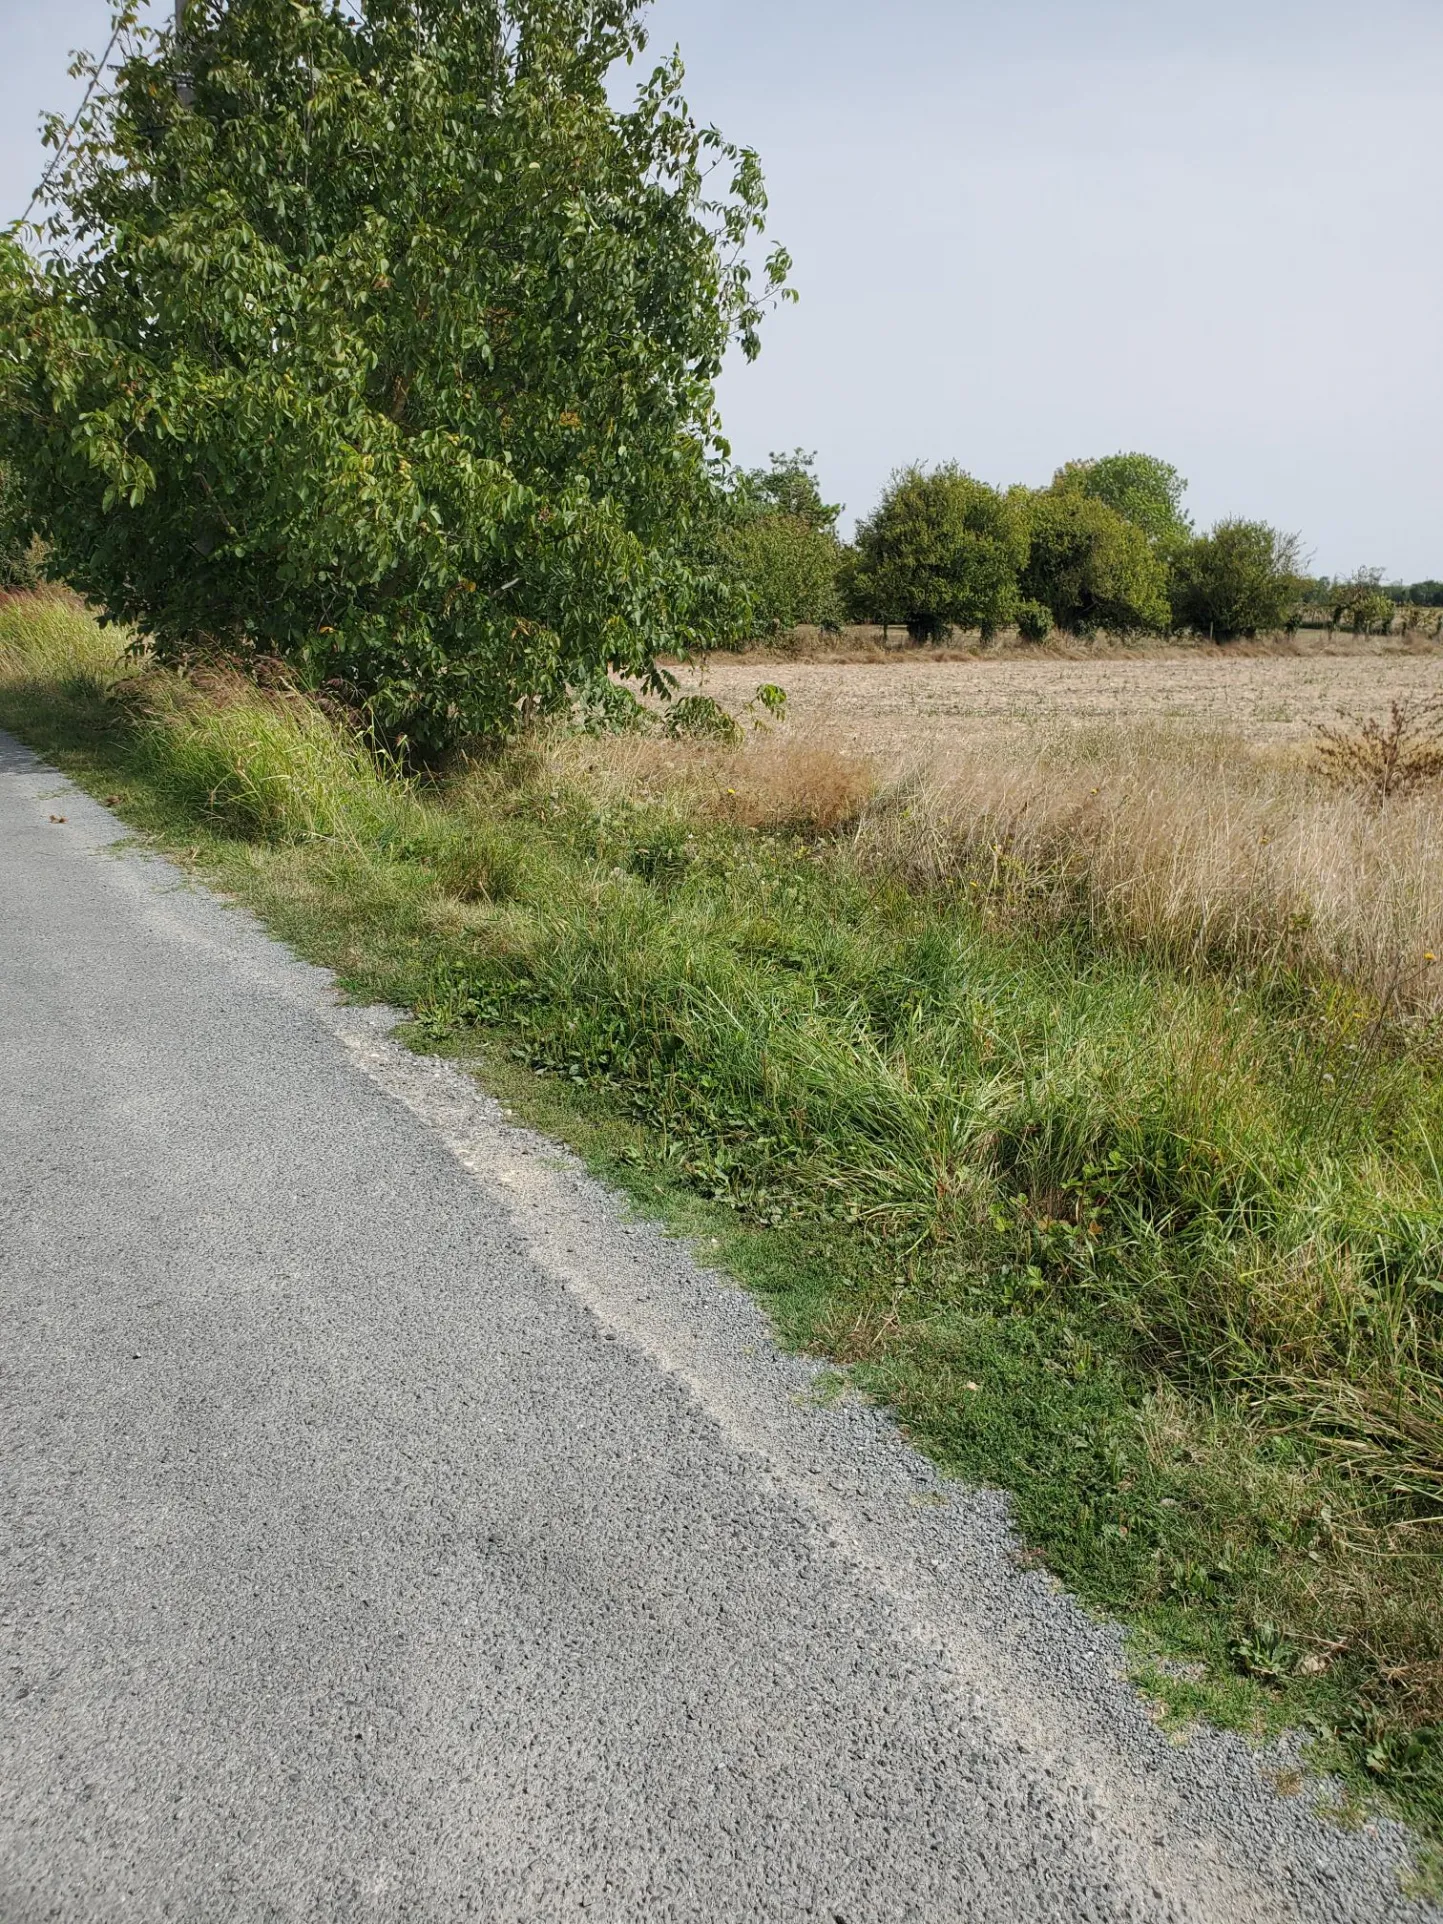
[267,765]
[263,764]
[1195,844]
[47,636]
[774,780]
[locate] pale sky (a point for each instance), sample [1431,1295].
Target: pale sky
[1027,230]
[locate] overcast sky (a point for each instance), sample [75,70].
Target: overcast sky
[1027,230]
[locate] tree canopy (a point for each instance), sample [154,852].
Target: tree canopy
[1092,567]
[778,545]
[1362,601]
[375,337]
[1141,488]
[1242,578]
[943,550]
[788,486]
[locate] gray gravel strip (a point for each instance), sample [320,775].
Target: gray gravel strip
[395,1530]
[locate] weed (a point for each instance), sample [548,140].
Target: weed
[771,700]
[702,718]
[1384,759]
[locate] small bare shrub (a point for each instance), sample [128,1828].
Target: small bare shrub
[1381,759]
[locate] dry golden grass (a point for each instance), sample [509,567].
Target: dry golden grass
[773,780]
[1173,803]
[870,642]
[1174,800]
[1191,842]
[895,706]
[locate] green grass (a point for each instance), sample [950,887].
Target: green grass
[1160,1253]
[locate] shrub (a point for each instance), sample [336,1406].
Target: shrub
[787,570]
[605,707]
[703,719]
[942,550]
[1034,621]
[1362,603]
[1386,758]
[1088,565]
[386,345]
[1240,579]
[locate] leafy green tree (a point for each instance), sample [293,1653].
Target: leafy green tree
[372,335]
[787,570]
[1141,488]
[790,486]
[1090,566]
[1362,603]
[1242,578]
[943,550]
[778,545]
[19,550]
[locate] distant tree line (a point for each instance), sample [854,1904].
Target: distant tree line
[1364,603]
[1418,594]
[1105,547]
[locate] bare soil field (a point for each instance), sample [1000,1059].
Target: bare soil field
[904,705]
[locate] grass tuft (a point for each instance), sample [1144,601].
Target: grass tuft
[266,765]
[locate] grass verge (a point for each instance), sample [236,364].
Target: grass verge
[1154,1244]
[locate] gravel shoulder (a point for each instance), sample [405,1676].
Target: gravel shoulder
[397,1530]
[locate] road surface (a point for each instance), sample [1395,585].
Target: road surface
[393,1530]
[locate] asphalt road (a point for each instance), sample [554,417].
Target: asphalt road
[395,1531]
